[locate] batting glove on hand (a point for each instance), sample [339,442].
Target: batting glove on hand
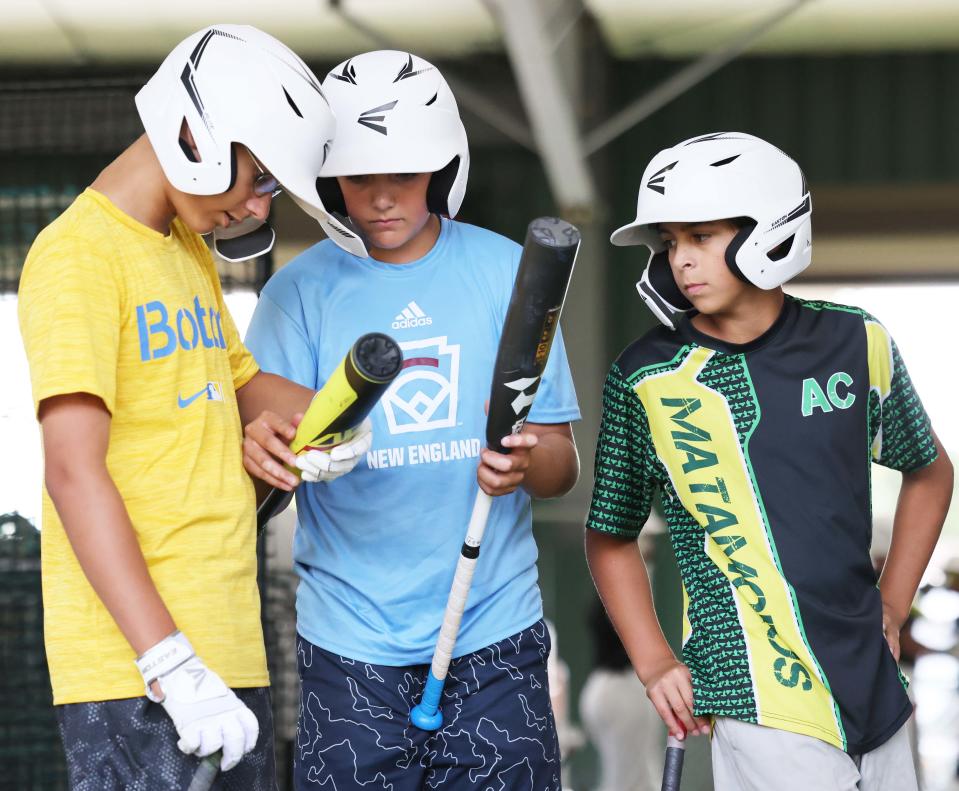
[207,715]
[321,465]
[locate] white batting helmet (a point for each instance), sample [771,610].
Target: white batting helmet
[395,114]
[720,176]
[236,84]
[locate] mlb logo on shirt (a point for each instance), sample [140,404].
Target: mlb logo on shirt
[213,391]
[425,395]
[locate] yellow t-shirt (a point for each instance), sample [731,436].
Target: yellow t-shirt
[110,307]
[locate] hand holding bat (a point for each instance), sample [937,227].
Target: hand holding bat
[337,412]
[669,687]
[503,473]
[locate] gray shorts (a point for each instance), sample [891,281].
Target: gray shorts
[748,757]
[130,745]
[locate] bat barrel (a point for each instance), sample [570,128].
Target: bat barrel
[554,232]
[342,404]
[532,319]
[376,357]
[353,389]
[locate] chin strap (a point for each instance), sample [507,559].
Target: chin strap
[346,234]
[244,240]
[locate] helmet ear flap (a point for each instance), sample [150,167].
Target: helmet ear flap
[732,249]
[661,280]
[657,288]
[440,186]
[328,188]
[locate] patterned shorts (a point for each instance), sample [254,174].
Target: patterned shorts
[130,745]
[498,730]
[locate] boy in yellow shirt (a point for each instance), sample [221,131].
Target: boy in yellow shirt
[141,385]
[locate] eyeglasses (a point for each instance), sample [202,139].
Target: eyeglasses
[265,183]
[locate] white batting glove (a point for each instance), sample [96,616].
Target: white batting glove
[321,465]
[207,715]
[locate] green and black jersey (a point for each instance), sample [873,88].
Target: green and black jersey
[763,454]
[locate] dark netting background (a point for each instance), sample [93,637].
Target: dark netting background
[55,136]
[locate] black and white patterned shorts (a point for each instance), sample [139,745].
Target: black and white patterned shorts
[130,745]
[354,729]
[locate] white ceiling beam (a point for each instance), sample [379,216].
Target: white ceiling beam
[547,102]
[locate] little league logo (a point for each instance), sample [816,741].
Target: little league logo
[424,396]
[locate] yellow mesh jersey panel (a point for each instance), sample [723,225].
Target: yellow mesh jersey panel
[111,307]
[696,438]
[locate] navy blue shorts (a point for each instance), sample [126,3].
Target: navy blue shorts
[498,730]
[130,745]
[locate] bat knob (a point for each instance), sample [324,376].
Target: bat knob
[426,714]
[426,720]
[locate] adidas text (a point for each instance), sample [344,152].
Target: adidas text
[404,324]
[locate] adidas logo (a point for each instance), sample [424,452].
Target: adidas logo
[411,316]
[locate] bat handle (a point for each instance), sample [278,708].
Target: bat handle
[426,715]
[673,767]
[206,772]
[275,502]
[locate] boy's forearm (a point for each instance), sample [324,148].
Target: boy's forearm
[76,435]
[274,393]
[923,502]
[554,462]
[105,544]
[622,581]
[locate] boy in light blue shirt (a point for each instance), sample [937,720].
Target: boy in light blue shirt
[376,549]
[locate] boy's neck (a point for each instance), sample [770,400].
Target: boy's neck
[413,249]
[751,315]
[134,182]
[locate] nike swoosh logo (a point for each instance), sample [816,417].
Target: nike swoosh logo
[183,403]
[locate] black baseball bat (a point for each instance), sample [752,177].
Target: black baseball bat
[532,318]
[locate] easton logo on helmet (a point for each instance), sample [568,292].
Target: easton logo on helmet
[406,71]
[803,208]
[348,74]
[368,120]
[655,182]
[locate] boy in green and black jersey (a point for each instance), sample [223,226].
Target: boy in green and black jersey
[758,416]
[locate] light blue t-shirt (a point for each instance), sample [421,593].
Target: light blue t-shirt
[376,549]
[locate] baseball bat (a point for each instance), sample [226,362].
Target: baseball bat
[340,406]
[673,767]
[205,773]
[532,318]
[333,417]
